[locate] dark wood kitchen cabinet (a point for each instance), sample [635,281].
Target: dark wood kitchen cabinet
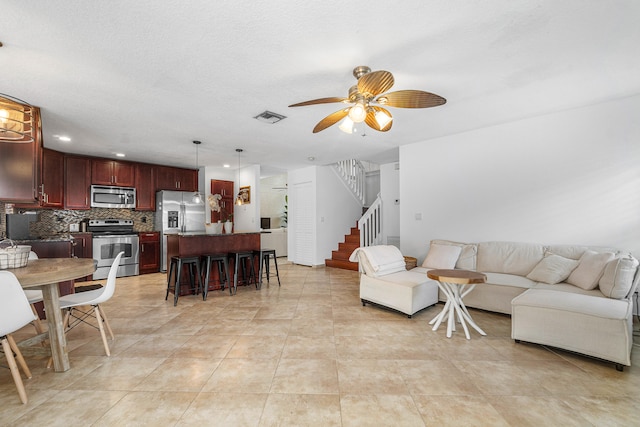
[176,179]
[20,165]
[112,172]
[51,191]
[149,261]
[82,247]
[77,184]
[50,182]
[145,187]
[225,189]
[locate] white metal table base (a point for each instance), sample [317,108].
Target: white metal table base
[455,307]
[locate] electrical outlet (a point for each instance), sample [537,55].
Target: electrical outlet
[418,217]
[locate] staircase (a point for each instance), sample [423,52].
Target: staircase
[369,228]
[340,258]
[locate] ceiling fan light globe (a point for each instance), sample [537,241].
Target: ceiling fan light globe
[358,113]
[346,126]
[382,119]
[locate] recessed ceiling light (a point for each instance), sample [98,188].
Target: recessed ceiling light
[311,158]
[226,166]
[119,154]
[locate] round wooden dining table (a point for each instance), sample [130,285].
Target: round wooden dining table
[46,274]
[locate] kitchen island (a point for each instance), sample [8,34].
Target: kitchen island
[198,244]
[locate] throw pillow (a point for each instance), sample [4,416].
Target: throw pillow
[590,269]
[442,256]
[618,277]
[553,269]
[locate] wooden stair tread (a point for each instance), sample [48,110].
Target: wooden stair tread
[345,265]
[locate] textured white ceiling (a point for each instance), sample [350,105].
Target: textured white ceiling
[147,77]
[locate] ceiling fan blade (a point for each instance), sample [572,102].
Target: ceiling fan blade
[411,99]
[320,101]
[375,83]
[331,119]
[372,121]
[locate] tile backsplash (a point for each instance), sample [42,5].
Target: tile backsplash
[52,222]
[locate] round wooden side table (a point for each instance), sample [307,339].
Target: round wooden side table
[453,284]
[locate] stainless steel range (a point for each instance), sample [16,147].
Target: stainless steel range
[110,237]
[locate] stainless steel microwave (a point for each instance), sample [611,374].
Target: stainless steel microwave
[104,196]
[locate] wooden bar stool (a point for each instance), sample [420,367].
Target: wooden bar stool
[243,257]
[176,268]
[264,256]
[223,271]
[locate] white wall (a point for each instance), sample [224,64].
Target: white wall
[389,193]
[247,217]
[334,212]
[570,177]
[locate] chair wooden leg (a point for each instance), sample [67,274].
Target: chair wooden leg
[19,358]
[96,310]
[15,373]
[36,322]
[106,323]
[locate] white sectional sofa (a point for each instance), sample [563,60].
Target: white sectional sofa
[577,298]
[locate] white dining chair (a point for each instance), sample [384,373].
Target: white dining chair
[15,313]
[93,298]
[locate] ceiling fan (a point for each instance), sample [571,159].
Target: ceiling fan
[369,91]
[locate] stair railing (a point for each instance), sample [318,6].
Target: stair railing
[370,225]
[353,175]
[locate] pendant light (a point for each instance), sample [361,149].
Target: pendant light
[17,120]
[197,198]
[239,196]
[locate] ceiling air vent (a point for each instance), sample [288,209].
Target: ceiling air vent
[269,117]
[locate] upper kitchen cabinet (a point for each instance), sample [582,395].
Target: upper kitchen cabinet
[177,179]
[51,191]
[112,172]
[50,183]
[20,152]
[145,187]
[77,181]
[225,190]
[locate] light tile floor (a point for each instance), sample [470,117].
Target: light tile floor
[308,353]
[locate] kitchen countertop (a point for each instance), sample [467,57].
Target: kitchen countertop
[55,238]
[194,234]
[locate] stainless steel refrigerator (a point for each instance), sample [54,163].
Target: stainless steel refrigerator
[177,213]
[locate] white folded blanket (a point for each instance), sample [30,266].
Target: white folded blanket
[382,257]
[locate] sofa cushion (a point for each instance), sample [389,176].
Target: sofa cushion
[509,257]
[509,280]
[590,269]
[552,269]
[618,276]
[576,251]
[442,256]
[468,254]
[566,301]
[565,287]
